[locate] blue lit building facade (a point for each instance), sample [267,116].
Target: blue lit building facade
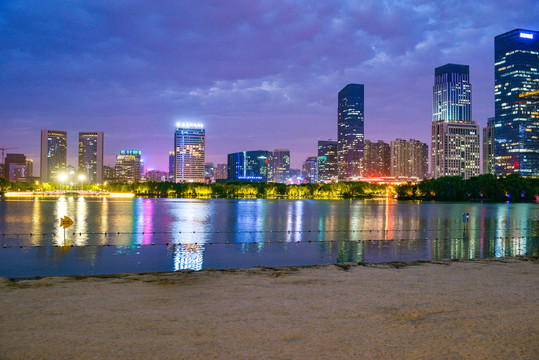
[250,166]
[351,133]
[516,131]
[189,152]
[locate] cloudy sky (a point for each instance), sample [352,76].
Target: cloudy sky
[258,74]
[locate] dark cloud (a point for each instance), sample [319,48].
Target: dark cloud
[259,74]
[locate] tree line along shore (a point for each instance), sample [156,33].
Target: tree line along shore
[450,188]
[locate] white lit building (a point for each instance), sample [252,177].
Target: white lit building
[189,152]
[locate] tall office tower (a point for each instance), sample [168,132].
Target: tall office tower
[251,166]
[516,71]
[328,165]
[220,172]
[53,154]
[455,137]
[208,173]
[15,167]
[91,155]
[377,159]
[189,152]
[29,168]
[128,165]
[409,159]
[488,147]
[171,165]
[351,131]
[310,169]
[281,165]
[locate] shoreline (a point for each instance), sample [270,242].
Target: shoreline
[481,309]
[344,266]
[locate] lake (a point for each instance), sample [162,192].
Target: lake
[146,235]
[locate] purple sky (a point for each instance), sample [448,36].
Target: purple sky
[258,74]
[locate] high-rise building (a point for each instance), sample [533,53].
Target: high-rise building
[109,173]
[29,168]
[15,167]
[128,166]
[409,159]
[351,131]
[516,132]
[171,165]
[220,172]
[281,165]
[250,166]
[455,137]
[189,152]
[328,170]
[310,169]
[91,155]
[208,173]
[377,159]
[488,147]
[53,155]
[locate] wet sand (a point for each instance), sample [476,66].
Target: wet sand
[484,309]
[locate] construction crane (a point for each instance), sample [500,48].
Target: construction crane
[3,149]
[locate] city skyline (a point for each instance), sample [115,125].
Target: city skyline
[269,81]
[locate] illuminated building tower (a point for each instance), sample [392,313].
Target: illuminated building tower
[171,166]
[516,133]
[455,137]
[310,169]
[189,152]
[350,131]
[409,159]
[109,173]
[488,147]
[53,155]
[281,165]
[208,173]
[250,166]
[327,161]
[220,172]
[377,159]
[91,155]
[128,165]
[15,167]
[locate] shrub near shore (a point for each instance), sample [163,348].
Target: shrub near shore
[479,188]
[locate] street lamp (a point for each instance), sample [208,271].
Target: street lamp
[81,179]
[62,177]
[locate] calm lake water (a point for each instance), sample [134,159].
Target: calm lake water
[143,235]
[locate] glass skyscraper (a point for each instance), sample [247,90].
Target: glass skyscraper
[189,152]
[91,155]
[327,161]
[249,166]
[455,137]
[53,154]
[516,131]
[351,132]
[281,165]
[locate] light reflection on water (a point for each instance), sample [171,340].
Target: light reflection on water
[269,232]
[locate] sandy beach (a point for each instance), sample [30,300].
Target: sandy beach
[483,309]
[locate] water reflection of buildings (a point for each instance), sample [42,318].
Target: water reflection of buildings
[188,256]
